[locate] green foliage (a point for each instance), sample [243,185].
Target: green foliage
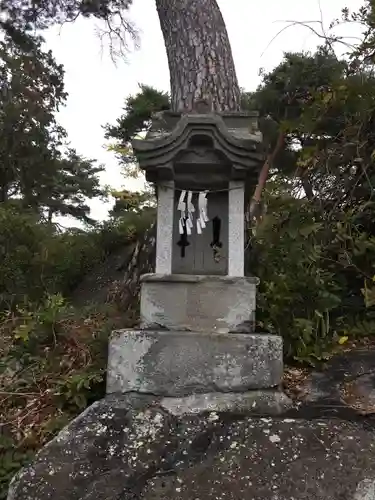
[132,201]
[11,461]
[137,113]
[74,181]
[369,294]
[135,120]
[52,365]
[125,227]
[36,169]
[364,51]
[297,293]
[312,272]
[314,248]
[36,259]
[52,357]
[292,85]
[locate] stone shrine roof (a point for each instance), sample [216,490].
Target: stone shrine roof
[229,140]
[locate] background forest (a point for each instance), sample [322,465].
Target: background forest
[311,230]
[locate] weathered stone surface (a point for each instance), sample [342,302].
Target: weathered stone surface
[361,392]
[98,455]
[183,363]
[198,303]
[344,386]
[236,234]
[252,403]
[164,228]
[128,447]
[278,460]
[235,137]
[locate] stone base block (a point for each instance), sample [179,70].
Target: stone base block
[256,403]
[198,303]
[175,363]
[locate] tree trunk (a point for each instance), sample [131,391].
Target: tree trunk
[307,187]
[199,55]
[3,193]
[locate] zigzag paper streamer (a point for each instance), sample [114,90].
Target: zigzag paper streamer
[181,207]
[202,207]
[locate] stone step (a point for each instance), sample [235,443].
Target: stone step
[180,363]
[262,402]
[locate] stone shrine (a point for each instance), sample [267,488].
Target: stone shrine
[196,334]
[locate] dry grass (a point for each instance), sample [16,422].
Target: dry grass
[48,379]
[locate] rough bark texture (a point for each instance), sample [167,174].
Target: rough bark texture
[199,55]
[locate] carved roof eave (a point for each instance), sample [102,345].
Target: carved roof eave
[158,151]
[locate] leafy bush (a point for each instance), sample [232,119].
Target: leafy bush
[311,271]
[128,227]
[36,259]
[52,366]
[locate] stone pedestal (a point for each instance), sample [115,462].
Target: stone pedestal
[179,363]
[197,348]
[198,303]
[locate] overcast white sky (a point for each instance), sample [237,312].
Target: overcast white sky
[97,88]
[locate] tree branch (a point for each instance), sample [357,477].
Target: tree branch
[253,212]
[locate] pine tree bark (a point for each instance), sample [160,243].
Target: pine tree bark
[199,55]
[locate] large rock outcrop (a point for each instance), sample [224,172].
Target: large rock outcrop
[131,447]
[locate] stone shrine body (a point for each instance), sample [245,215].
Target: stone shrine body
[220,154]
